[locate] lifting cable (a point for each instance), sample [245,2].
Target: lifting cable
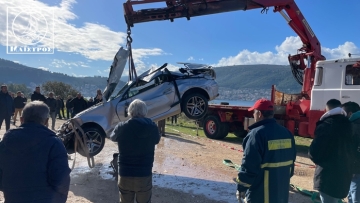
[132,70]
[82,141]
[264,10]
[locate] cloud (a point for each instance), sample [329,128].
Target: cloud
[60,63]
[99,72]
[43,68]
[94,41]
[289,46]
[341,51]
[169,66]
[17,62]
[201,59]
[140,55]
[191,58]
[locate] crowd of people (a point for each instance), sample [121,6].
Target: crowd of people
[11,107]
[264,175]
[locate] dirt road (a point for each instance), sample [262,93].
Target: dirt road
[187,169]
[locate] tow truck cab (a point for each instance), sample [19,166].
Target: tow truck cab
[336,79]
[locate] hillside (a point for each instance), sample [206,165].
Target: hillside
[16,73]
[249,81]
[257,77]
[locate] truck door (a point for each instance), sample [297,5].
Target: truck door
[351,84]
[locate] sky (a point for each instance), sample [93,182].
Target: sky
[85,35]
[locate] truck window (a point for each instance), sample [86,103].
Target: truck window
[318,76]
[352,75]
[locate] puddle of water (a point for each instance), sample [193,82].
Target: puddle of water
[106,172]
[211,189]
[80,171]
[103,171]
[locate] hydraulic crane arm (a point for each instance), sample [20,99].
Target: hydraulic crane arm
[310,51]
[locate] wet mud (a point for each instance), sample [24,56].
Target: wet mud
[186,169]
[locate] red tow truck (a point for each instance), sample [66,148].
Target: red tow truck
[321,79]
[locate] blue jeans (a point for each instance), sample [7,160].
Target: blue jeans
[328,199]
[354,193]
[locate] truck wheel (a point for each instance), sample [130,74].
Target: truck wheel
[194,106]
[214,129]
[95,141]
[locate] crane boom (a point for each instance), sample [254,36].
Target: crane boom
[310,50]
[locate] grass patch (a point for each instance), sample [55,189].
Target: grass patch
[302,144]
[188,127]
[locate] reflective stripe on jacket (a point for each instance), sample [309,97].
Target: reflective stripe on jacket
[268,163]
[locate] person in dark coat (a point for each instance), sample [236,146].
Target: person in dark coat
[33,161]
[6,107]
[161,127]
[37,96]
[52,104]
[18,105]
[69,107]
[352,110]
[91,102]
[79,104]
[59,106]
[268,160]
[331,153]
[136,139]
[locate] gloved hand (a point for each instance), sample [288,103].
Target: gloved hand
[240,196]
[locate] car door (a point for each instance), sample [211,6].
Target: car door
[158,94]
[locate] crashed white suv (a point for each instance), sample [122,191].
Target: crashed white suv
[165,92]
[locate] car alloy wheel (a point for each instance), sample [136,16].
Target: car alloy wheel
[195,106]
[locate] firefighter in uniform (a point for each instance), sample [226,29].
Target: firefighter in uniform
[268,160]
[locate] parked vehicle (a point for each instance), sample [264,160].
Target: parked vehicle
[166,93]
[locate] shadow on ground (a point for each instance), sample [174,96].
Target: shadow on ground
[177,137]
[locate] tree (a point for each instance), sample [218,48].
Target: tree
[59,88]
[12,87]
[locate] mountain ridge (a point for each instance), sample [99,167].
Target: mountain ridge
[249,77]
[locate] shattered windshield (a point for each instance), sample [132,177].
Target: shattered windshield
[121,91]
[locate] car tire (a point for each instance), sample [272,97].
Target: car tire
[194,106]
[214,129]
[96,141]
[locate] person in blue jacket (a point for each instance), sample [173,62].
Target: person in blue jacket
[136,140]
[268,160]
[33,161]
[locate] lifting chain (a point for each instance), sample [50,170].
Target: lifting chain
[132,70]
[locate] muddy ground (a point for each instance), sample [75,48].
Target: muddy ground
[187,169]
